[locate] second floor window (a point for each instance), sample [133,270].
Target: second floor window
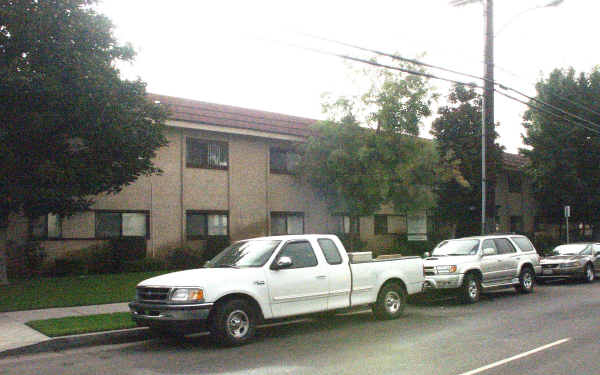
[283,161]
[206,154]
[514,182]
[287,223]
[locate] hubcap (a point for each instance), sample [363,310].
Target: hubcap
[473,291]
[527,280]
[589,273]
[238,324]
[392,302]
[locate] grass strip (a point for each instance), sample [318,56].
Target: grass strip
[70,291]
[74,325]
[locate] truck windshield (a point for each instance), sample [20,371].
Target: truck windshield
[571,249]
[254,253]
[457,247]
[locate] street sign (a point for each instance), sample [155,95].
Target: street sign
[567,211]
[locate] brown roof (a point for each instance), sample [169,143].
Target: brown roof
[234,117]
[514,161]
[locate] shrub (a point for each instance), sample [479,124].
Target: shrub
[545,243]
[144,265]
[183,258]
[352,242]
[25,260]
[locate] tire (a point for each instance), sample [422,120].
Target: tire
[471,289]
[233,322]
[390,303]
[526,280]
[588,273]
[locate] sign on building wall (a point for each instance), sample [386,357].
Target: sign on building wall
[417,226]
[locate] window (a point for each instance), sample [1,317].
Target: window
[489,244]
[114,224]
[283,161]
[514,182]
[301,253]
[347,224]
[49,226]
[523,243]
[381,224]
[201,225]
[330,251]
[504,246]
[206,154]
[287,223]
[388,224]
[516,224]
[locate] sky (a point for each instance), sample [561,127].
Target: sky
[245,53]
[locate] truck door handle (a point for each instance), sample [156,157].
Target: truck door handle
[321,277]
[499,260]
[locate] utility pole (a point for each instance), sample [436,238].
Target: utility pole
[487,110]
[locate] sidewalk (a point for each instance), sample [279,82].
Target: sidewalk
[15,334]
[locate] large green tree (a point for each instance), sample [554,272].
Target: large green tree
[564,157]
[70,127]
[457,133]
[368,154]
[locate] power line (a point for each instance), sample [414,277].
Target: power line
[417,62]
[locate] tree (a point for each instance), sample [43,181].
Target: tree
[457,133]
[367,153]
[563,157]
[70,127]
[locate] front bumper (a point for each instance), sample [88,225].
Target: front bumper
[561,273]
[180,318]
[443,281]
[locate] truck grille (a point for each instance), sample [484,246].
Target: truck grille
[152,294]
[429,271]
[549,265]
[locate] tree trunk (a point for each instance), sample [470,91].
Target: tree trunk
[3,258]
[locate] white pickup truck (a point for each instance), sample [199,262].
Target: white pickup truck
[274,277]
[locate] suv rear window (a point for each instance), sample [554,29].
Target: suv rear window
[523,243]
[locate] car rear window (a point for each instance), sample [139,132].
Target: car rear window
[523,243]
[330,251]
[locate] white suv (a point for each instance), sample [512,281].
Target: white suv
[469,265]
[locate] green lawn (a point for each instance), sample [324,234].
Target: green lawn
[70,291]
[73,325]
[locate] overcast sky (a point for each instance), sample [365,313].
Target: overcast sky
[234,52]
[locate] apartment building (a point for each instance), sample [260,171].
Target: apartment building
[227,175]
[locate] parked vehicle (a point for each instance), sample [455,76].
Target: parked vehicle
[470,265]
[576,260]
[274,277]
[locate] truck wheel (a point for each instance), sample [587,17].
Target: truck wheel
[471,289]
[526,279]
[233,322]
[588,275]
[390,303]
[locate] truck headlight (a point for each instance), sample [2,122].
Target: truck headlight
[445,269]
[187,295]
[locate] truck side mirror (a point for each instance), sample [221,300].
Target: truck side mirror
[489,251]
[282,263]
[427,254]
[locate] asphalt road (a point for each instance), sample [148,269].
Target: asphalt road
[555,330]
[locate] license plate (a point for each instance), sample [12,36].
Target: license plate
[547,272]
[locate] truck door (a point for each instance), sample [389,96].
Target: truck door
[509,258]
[596,251]
[301,288]
[338,275]
[490,264]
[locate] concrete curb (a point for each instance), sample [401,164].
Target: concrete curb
[77,341]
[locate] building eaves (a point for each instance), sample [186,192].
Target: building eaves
[234,117]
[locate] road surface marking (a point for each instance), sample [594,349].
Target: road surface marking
[513,358]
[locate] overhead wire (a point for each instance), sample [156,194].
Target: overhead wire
[417,62]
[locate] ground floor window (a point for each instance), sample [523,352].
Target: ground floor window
[48,226]
[390,224]
[347,224]
[287,223]
[122,224]
[516,224]
[202,224]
